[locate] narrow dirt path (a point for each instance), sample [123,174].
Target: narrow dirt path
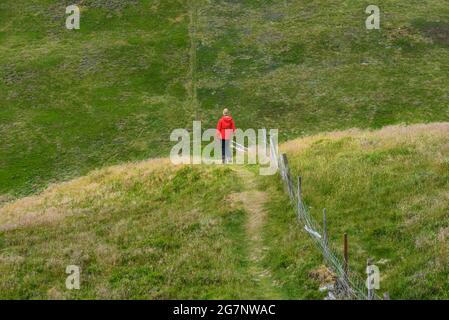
[253,201]
[192,88]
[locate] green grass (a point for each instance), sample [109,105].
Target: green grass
[307,67]
[76,101]
[150,230]
[388,190]
[291,255]
[73,101]
[143,231]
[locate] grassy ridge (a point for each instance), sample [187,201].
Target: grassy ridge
[151,230]
[114,90]
[138,231]
[388,190]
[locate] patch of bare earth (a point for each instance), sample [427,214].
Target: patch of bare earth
[253,202]
[437,31]
[323,275]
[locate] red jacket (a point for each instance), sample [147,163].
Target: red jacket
[226,127]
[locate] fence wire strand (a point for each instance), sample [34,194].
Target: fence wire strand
[353,285]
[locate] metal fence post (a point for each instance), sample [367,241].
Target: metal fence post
[288,177]
[282,166]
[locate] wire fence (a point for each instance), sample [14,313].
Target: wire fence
[348,285]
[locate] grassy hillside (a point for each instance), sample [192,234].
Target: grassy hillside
[388,190]
[311,66]
[75,100]
[114,90]
[138,231]
[151,230]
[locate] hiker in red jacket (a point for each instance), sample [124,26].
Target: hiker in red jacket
[225,129]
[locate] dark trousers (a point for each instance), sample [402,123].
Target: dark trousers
[225,150]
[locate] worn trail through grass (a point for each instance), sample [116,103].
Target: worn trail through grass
[253,202]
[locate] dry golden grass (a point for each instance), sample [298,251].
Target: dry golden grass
[418,134]
[388,189]
[143,222]
[61,200]
[147,230]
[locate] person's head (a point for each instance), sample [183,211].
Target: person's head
[226,112]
